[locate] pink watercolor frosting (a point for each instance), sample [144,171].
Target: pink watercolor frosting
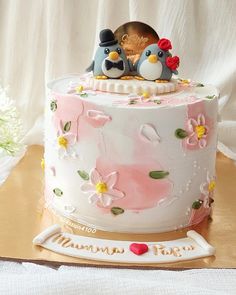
[69,109]
[97,118]
[141,191]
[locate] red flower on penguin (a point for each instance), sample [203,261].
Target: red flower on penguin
[172,62]
[164,44]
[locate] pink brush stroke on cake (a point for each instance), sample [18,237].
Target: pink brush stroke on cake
[69,109]
[141,191]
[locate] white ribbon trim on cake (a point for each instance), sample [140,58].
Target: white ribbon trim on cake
[192,247]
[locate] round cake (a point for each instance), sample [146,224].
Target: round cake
[139,162]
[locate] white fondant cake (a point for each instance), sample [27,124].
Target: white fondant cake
[130,163]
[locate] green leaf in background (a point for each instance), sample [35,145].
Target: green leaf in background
[83,174]
[53,105]
[200,85]
[58,192]
[210,96]
[181,133]
[197,204]
[159,174]
[117,210]
[67,126]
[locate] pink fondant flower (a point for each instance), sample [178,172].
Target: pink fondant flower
[197,215]
[198,131]
[65,144]
[101,189]
[207,189]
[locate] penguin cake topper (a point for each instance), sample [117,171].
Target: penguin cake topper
[156,62]
[110,60]
[132,60]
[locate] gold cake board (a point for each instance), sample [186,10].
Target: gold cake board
[22,217]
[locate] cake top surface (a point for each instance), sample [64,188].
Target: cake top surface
[186,92]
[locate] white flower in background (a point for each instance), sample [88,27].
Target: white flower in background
[66,145]
[101,189]
[10,127]
[207,189]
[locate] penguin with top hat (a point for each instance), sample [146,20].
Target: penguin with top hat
[110,60]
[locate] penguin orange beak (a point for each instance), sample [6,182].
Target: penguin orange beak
[113,55]
[153,58]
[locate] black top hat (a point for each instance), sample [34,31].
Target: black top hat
[107,38]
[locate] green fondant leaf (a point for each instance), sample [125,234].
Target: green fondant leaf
[200,85]
[159,174]
[84,94]
[210,96]
[197,204]
[53,105]
[117,210]
[157,101]
[181,133]
[83,174]
[58,192]
[67,126]
[132,101]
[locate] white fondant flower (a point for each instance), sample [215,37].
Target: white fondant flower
[144,97]
[198,131]
[207,189]
[101,189]
[66,145]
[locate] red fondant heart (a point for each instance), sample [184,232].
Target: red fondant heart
[138,249]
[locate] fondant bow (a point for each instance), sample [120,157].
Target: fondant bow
[118,65]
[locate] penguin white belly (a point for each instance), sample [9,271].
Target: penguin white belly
[150,71]
[113,72]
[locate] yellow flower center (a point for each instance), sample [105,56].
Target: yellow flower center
[211,186]
[185,81]
[101,187]
[145,94]
[200,130]
[62,141]
[79,89]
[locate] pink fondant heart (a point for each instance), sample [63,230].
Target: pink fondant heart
[138,249]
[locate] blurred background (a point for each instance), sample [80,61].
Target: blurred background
[41,40]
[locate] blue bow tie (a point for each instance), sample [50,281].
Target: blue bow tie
[118,65]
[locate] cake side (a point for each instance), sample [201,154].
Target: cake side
[117,165]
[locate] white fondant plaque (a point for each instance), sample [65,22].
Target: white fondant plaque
[191,247]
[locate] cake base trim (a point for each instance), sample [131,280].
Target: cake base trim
[191,247]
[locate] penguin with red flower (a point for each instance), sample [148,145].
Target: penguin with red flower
[156,62]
